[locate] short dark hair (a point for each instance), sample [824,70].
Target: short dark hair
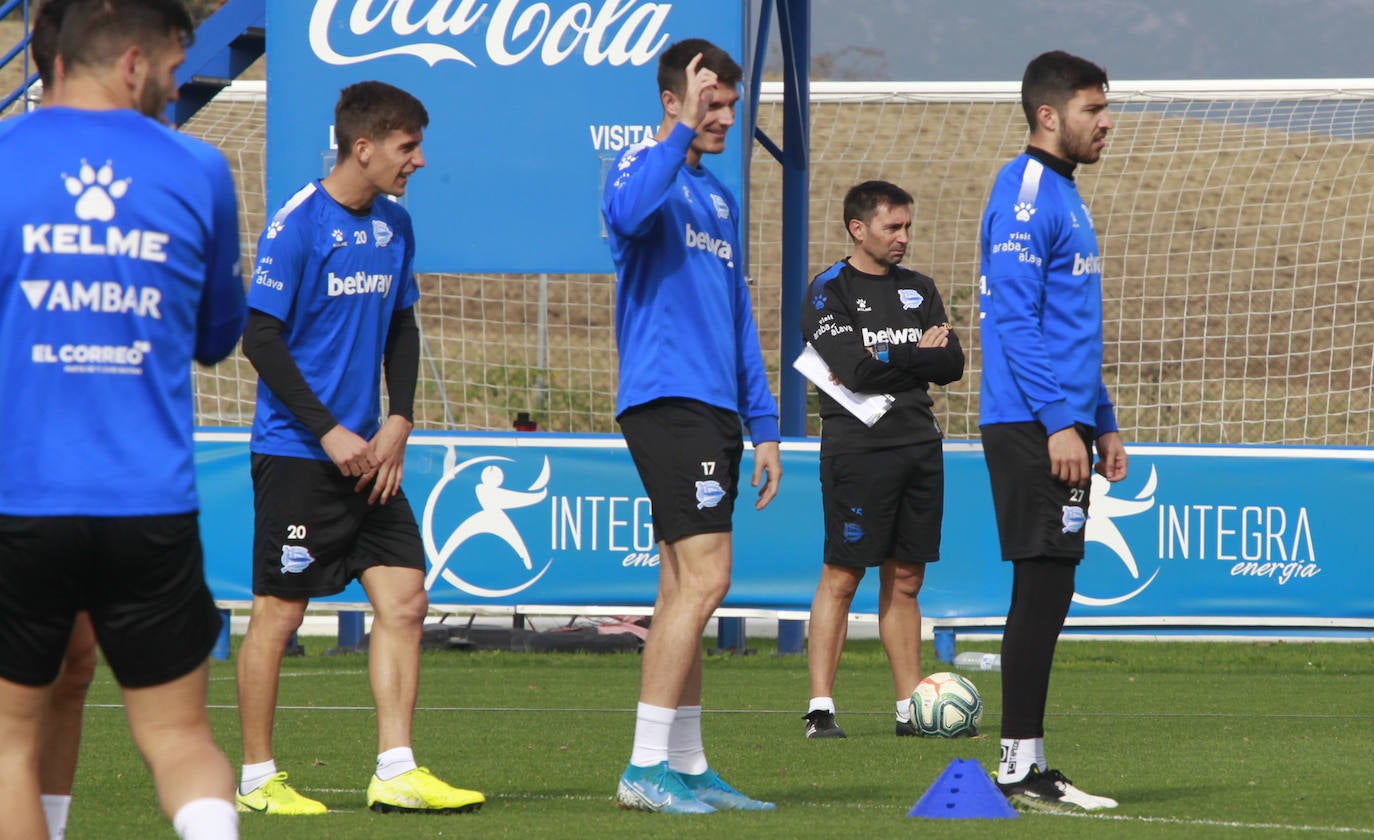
[96,32]
[47,25]
[863,200]
[373,110]
[1053,78]
[672,64]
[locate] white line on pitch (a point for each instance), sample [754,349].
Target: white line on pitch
[878,806]
[292,674]
[988,715]
[573,797]
[1339,829]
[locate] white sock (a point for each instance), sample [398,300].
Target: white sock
[255,776]
[904,710]
[394,762]
[653,728]
[207,819]
[1018,755]
[686,753]
[825,704]
[55,808]
[1038,754]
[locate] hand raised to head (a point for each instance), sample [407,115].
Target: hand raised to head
[700,92]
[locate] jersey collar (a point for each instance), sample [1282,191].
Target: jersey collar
[1058,164]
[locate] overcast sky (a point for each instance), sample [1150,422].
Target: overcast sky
[991,40]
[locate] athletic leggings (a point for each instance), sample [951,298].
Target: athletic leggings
[1040,597]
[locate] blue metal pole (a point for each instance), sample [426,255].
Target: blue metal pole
[944,644]
[221,649]
[28,38]
[791,637]
[730,634]
[794,28]
[350,633]
[760,56]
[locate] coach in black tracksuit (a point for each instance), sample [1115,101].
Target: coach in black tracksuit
[880,328]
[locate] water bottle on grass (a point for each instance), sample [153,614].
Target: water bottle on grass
[974,661]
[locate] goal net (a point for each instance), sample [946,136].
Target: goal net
[1233,219]
[1232,216]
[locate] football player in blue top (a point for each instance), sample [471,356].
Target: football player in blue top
[1043,403]
[690,369]
[61,731]
[121,267]
[332,301]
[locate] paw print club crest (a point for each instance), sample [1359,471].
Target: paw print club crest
[96,191]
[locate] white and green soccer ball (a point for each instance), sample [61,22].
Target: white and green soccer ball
[946,705]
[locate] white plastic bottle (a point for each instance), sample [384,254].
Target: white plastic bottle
[974,661]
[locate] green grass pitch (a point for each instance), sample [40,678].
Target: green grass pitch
[1197,740]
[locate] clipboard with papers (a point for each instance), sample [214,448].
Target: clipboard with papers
[868,408]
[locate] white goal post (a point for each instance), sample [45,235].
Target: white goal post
[1233,218]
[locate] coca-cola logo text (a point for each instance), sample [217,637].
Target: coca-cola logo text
[615,32]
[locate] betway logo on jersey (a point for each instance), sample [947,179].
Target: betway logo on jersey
[59,295]
[359,284]
[614,32]
[706,242]
[1091,264]
[891,336]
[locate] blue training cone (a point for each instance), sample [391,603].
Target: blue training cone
[964,791]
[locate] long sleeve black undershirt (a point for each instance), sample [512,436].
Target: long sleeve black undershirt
[266,349]
[402,363]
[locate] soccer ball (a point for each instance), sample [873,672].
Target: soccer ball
[946,705]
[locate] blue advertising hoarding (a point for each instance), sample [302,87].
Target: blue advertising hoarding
[530,101]
[1193,536]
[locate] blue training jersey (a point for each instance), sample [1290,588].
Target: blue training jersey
[684,323]
[1040,315]
[334,278]
[119,264]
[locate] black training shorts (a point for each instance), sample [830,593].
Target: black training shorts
[1037,515]
[313,533]
[688,456]
[142,578]
[884,505]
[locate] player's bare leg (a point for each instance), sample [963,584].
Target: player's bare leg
[694,576]
[899,622]
[668,770]
[827,631]
[829,625]
[171,728]
[690,694]
[270,626]
[21,709]
[263,787]
[691,687]
[60,736]
[399,605]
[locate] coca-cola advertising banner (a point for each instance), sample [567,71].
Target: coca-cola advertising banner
[530,101]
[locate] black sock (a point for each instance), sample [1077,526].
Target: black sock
[1040,598]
